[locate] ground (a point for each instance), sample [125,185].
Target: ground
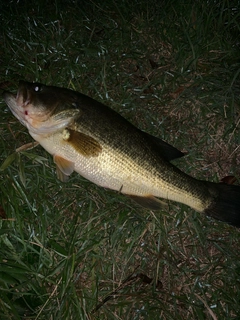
[78,251]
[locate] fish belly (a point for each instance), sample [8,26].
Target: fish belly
[117,171]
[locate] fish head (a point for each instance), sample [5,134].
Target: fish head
[42,109]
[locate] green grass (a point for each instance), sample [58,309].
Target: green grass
[78,251]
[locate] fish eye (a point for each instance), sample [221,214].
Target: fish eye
[37,88]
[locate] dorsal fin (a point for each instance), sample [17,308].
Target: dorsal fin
[167,151]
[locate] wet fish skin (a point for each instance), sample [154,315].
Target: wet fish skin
[90,138]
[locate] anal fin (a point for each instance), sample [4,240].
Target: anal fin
[149,202]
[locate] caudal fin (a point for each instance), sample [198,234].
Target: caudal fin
[226,206]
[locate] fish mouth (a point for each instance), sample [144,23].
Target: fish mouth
[22,107]
[16,109]
[36,116]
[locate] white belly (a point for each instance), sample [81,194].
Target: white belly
[108,169]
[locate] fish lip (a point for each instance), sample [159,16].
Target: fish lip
[17,110]
[6,95]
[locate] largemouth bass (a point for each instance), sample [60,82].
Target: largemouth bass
[85,136]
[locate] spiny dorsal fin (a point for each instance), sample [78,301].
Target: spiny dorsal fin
[82,143]
[165,150]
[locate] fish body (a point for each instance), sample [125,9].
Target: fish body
[85,136]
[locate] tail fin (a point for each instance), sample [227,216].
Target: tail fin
[226,204]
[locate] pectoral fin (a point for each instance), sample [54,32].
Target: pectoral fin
[82,143]
[149,202]
[64,167]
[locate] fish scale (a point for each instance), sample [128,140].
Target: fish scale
[116,170]
[90,138]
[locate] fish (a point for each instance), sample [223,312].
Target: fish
[88,137]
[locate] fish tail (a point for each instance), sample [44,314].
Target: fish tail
[226,203]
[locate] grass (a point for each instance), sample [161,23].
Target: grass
[77,251]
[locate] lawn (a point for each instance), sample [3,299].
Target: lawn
[77,251]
